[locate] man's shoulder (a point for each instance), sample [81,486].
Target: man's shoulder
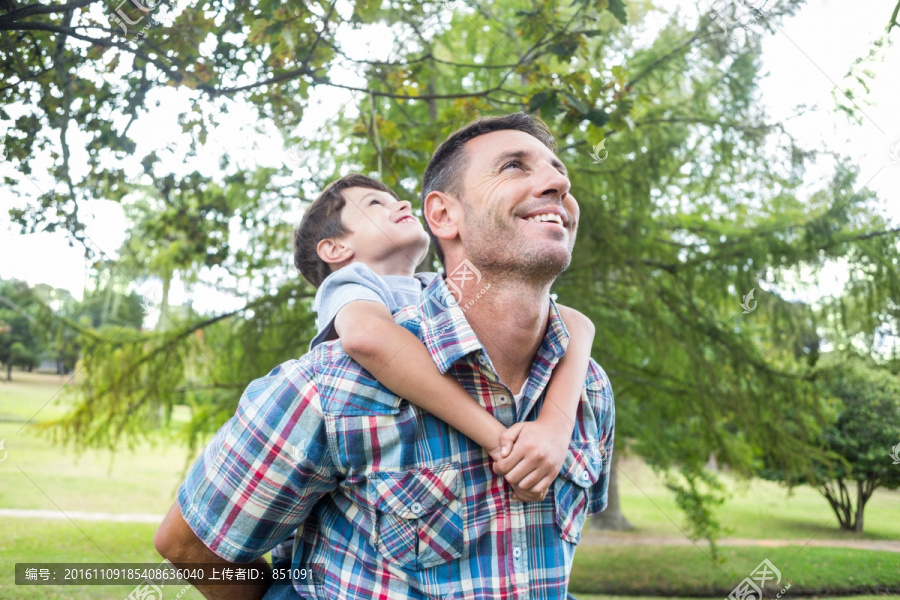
[344,386]
[599,392]
[596,378]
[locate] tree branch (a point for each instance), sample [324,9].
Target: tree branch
[173,75]
[43,9]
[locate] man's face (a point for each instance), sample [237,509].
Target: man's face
[518,214]
[381,227]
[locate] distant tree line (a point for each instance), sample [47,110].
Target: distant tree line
[41,325]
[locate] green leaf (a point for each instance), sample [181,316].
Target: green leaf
[597,117]
[617,8]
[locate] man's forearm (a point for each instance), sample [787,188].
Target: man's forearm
[178,543]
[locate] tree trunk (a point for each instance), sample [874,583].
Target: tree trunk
[861,499]
[163,322]
[107,301]
[612,518]
[9,371]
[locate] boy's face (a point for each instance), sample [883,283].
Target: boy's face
[382,227]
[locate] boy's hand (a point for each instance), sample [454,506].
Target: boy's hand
[537,455]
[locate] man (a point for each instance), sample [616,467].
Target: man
[390,502]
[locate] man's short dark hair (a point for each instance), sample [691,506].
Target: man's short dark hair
[322,220]
[445,169]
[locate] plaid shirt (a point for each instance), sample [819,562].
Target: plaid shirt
[391,502]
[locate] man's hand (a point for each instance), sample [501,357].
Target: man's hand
[536,456]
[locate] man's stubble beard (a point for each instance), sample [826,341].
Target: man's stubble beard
[498,248]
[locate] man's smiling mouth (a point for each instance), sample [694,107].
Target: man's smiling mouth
[545,218]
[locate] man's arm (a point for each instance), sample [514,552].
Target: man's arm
[256,481]
[177,542]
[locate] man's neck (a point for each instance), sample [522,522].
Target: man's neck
[510,319]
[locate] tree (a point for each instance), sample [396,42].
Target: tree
[695,200]
[21,341]
[857,444]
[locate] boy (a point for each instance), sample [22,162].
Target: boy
[359,244]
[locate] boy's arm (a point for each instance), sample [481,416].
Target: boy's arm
[400,361]
[540,446]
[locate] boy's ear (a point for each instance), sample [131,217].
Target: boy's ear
[441,211]
[334,252]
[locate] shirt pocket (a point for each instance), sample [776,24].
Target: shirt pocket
[581,469]
[417,515]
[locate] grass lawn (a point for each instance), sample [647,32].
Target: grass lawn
[640,570]
[39,475]
[680,571]
[603,597]
[28,540]
[24,396]
[756,509]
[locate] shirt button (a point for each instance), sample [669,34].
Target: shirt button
[416,507]
[482,359]
[517,552]
[502,400]
[585,476]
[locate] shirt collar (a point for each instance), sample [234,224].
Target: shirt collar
[449,337]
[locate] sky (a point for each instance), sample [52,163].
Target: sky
[807,57]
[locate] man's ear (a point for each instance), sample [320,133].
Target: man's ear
[441,211]
[334,251]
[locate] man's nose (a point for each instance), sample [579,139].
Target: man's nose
[551,182]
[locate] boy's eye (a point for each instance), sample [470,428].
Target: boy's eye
[374,201]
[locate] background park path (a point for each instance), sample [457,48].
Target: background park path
[595,538]
[589,538]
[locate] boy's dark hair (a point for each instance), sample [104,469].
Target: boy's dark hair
[322,220]
[445,169]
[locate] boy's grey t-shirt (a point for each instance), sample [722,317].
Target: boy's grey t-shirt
[357,281]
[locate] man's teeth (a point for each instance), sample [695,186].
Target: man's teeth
[546,217]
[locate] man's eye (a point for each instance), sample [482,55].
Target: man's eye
[512,163]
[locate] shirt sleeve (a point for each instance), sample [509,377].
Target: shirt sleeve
[601,395]
[354,282]
[264,470]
